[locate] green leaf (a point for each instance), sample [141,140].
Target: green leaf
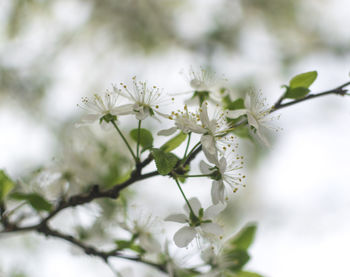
[296,93]
[304,80]
[126,244]
[238,258]
[6,185]
[174,142]
[233,105]
[242,132]
[165,162]
[38,202]
[247,274]
[122,244]
[146,138]
[244,238]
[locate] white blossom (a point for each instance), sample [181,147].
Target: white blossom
[206,85]
[258,114]
[225,174]
[185,121]
[146,101]
[220,262]
[143,225]
[198,224]
[217,129]
[100,106]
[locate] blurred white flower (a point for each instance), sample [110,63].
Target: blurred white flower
[198,224]
[99,107]
[143,226]
[206,85]
[220,262]
[145,101]
[257,112]
[225,174]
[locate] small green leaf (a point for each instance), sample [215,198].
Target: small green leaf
[165,162]
[174,142]
[244,238]
[6,185]
[122,244]
[38,202]
[304,80]
[202,95]
[247,274]
[233,105]
[146,138]
[137,249]
[238,258]
[126,244]
[296,93]
[242,132]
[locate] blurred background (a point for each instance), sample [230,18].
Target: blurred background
[54,52]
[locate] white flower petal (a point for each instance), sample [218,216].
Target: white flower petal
[148,242]
[218,192]
[167,132]
[222,165]
[184,236]
[209,145]
[212,158]
[180,218]
[212,211]
[212,228]
[236,113]
[195,205]
[204,167]
[90,118]
[204,115]
[123,109]
[248,101]
[252,121]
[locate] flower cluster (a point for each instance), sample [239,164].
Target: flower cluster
[213,124]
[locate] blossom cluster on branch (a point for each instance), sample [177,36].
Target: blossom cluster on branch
[210,121]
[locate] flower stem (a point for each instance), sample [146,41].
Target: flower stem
[199,175]
[188,144]
[192,150]
[184,196]
[138,140]
[124,139]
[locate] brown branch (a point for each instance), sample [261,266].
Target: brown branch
[337,91]
[91,250]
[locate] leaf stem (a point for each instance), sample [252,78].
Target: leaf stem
[195,176]
[124,139]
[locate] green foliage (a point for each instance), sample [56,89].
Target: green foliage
[296,93]
[233,105]
[146,138]
[174,142]
[202,96]
[6,185]
[38,202]
[165,162]
[247,274]
[299,85]
[129,244]
[304,80]
[244,238]
[238,258]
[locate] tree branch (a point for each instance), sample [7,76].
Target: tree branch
[337,91]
